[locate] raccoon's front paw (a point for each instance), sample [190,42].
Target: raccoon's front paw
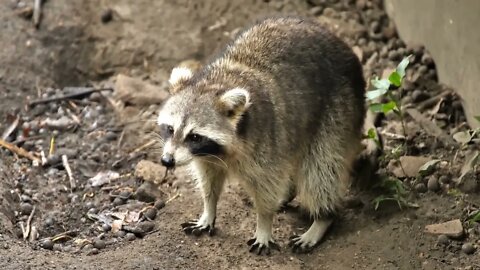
[262,247]
[198,227]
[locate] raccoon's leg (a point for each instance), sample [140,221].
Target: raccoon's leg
[323,182]
[211,181]
[267,199]
[262,241]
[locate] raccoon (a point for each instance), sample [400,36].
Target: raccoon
[280,109]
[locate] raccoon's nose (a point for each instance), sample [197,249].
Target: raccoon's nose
[168,161]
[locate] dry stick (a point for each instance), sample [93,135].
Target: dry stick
[17,150]
[73,185]
[68,96]
[29,221]
[432,101]
[37,12]
[11,128]
[143,147]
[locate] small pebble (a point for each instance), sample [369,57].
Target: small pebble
[47,244]
[418,95]
[110,136]
[26,208]
[94,251]
[57,247]
[468,248]
[159,204]
[420,188]
[98,243]
[49,221]
[93,210]
[107,15]
[89,205]
[125,194]
[25,198]
[433,184]
[443,240]
[150,213]
[106,227]
[427,60]
[118,201]
[120,233]
[130,236]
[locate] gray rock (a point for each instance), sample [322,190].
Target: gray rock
[433,184]
[468,248]
[421,188]
[148,192]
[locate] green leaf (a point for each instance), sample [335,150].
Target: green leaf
[477,117]
[383,107]
[395,79]
[426,168]
[402,66]
[380,84]
[475,218]
[372,134]
[373,94]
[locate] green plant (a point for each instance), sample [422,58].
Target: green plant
[474,218]
[393,190]
[385,87]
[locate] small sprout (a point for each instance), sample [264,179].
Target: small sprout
[474,218]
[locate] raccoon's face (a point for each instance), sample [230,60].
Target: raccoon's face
[195,123]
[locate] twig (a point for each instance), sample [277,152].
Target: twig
[17,150]
[432,101]
[173,198]
[78,94]
[11,128]
[73,185]
[37,12]
[143,147]
[29,221]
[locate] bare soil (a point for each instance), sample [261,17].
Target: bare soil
[145,39]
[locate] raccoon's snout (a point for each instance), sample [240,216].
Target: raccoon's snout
[168,160]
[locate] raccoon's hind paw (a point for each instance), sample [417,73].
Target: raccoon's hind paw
[299,245]
[260,248]
[196,228]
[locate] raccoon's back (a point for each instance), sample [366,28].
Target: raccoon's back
[313,79]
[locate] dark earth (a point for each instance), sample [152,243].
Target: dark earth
[120,210]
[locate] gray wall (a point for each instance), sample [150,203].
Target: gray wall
[450,31]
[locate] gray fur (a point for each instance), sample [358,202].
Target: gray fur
[300,131]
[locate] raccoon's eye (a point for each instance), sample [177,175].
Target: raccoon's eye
[194,137]
[169,130]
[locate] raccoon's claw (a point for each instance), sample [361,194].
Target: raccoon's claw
[193,227]
[298,246]
[262,248]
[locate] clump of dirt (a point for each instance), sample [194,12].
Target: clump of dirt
[94,197]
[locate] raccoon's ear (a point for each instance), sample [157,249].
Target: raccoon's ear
[178,75]
[235,101]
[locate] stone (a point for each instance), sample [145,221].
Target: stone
[452,228]
[150,171]
[408,167]
[433,184]
[148,192]
[468,248]
[137,92]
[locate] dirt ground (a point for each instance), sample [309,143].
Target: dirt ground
[88,43]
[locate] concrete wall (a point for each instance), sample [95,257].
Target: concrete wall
[450,31]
